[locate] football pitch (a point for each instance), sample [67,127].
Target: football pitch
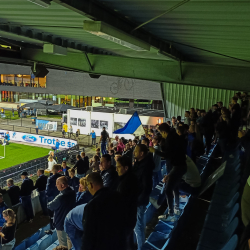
[18,153]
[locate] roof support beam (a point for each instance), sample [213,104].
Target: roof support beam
[225,77]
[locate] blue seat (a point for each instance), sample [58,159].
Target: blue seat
[147,246]
[158,240]
[21,246]
[43,230]
[33,239]
[52,246]
[163,228]
[33,247]
[44,242]
[231,244]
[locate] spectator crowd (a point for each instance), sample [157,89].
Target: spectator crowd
[99,203]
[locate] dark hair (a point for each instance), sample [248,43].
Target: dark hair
[125,161]
[95,178]
[103,128]
[157,138]
[220,103]
[173,117]
[96,157]
[179,118]
[64,162]
[186,126]
[135,141]
[146,140]
[143,148]
[41,170]
[215,105]
[112,152]
[203,111]
[235,98]
[164,127]
[107,157]
[78,157]
[181,129]
[187,112]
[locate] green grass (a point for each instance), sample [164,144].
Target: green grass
[18,153]
[8,115]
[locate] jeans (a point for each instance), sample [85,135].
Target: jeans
[43,202]
[173,186]
[8,246]
[93,141]
[140,226]
[74,234]
[156,178]
[80,176]
[63,239]
[103,148]
[27,206]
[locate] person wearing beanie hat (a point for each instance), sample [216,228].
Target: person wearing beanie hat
[26,189]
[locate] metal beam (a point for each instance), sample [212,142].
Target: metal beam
[215,76]
[99,12]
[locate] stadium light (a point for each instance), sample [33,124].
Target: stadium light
[115,35]
[42,3]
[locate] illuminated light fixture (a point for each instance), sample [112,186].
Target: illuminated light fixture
[19,75]
[159,121]
[110,98]
[115,35]
[42,3]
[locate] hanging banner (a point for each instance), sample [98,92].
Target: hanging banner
[46,125]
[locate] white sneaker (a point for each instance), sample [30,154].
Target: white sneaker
[183,199]
[167,218]
[177,211]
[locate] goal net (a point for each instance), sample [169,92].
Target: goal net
[2,151]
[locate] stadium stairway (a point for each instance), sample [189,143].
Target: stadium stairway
[166,233]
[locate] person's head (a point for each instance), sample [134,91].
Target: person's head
[198,113]
[123,165]
[51,158]
[1,198]
[120,141]
[57,139]
[83,184]
[127,146]
[191,111]
[164,130]
[9,215]
[238,94]
[98,150]
[10,182]
[103,128]
[187,114]
[71,172]
[193,122]
[52,153]
[93,131]
[134,142]
[112,152]
[145,141]
[94,182]
[214,107]
[64,164]
[40,172]
[56,168]
[130,143]
[105,162]
[234,100]
[220,104]
[24,175]
[156,140]
[203,113]
[140,152]
[116,138]
[96,158]
[180,130]
[178,118]
[173,120]
[117,155]
[61,183]
[78,157]
[191,129]
[82,154]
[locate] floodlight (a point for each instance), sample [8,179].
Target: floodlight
[42,3]
[115,35]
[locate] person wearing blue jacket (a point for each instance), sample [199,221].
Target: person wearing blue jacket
[57,145]
[3,207]
[83,195]
[93,135]
[51,192]
[73,180]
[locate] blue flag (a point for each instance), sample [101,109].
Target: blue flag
[133,126]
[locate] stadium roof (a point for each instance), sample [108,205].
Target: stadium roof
[202,43]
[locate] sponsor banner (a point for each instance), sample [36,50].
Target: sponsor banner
[39,139]
[46,125]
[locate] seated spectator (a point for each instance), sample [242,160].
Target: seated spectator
[101,218]
[8,231]
[3,207]
[81,167]
[98,152]
[14,192]
[83,195]
[94,166]
[73,226]
[112,154]
[108,172]
[51,163]
[157,176]
[41,186]
[117,155]
[134,144]
[120,146]
[73,180]
[61,205]
[64,169]
[25,193]
[51,192]
[187,118]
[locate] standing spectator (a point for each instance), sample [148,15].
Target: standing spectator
[115,141]
[51,163]
[157,161]
[190,146]
[61,205]
[93,135]
[63,133]
[101,219]
[77,133]
[25,193]
[13,192]
[37,130]
[134,144]
[145,141]
[128,152]
[81,167]
[51,192]
[236,117]
[65,128]
[83,195]
[128,187]
[112,154]
[73,226]
[56,146]
[70,131]
[175,153]
[73,180]
[108,172]
[120,146]
[41,186]
[13,112]
[3,207]
[103,140]
[174,123]
[85,159]
[187,118]
[144,172]
[64,169]
[8,231]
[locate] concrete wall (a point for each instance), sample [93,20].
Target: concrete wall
[73,83]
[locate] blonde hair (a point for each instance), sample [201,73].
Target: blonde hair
[72,171]
[83,181]
[10,213]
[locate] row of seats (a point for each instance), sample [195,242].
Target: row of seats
[165,232]
[221,220]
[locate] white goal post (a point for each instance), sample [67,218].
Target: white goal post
[2,157]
